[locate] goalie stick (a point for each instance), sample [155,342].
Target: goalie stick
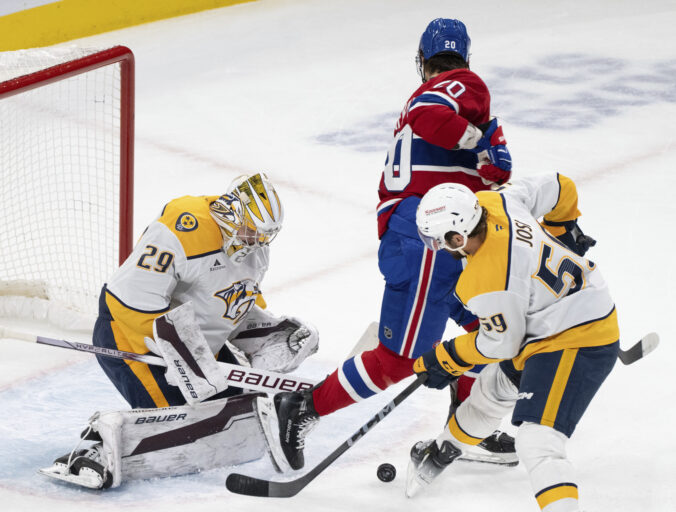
[251,486]
[238,376]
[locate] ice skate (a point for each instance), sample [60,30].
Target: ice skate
[267,415]
[81,467]
[297,417]
[428,460]
[498,448]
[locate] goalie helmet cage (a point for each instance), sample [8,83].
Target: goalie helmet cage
[66,188]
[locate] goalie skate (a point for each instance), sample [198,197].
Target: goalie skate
[81,467]
[428,460]
[267,416]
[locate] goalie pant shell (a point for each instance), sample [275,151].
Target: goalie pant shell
[150,389]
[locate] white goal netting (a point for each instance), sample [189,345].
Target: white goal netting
[59,185]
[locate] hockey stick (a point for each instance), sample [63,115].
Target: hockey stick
[250,486]
[641,349]
[238,376]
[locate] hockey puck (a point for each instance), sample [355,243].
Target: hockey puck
[386,472]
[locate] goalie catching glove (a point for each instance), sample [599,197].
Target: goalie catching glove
[441,365]
[274,343]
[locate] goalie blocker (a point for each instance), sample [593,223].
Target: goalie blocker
[264,341]
[170,441]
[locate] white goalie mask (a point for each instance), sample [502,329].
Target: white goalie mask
[249,215]
[447,207]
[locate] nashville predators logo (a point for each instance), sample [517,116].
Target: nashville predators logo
[239,299]
[186,222]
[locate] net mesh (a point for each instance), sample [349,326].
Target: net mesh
[60,184]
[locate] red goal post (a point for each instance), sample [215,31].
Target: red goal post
[66,187]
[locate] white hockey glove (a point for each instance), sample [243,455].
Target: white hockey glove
[191,365]
[273,343]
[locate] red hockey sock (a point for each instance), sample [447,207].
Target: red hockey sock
[383,368]
[465,383]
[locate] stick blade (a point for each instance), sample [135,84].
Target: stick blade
[250,486]
[650,342]
[646,345]
[247,485]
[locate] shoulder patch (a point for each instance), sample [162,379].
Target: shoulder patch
[189,220]
[186,222]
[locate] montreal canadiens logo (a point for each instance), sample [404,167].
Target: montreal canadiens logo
[186,222]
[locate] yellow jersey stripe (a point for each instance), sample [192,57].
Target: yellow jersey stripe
[596,333]
[129,340]
[551,494]
[558,387]
[460,434]
[490,272]
[189,219]
[465,347]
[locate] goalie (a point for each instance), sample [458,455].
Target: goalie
[190,292]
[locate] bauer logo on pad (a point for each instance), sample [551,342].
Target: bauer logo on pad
[186,222]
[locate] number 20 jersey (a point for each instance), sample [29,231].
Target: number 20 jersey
[431,124]
[530,292]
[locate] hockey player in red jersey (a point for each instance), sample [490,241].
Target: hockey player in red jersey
[444,134]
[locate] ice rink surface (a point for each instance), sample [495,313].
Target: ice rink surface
[309,92]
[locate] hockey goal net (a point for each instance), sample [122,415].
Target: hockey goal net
[66,182]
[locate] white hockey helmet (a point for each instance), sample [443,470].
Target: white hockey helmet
[447,207]
[250,215]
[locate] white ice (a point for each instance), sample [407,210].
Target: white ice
[309,92]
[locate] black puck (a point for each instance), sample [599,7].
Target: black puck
[386,472]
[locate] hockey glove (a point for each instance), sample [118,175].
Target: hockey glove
[274,343]
[440,366]
[191,365]
[572,237]
[495,162]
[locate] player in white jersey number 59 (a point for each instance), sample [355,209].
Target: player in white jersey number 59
[545,315]
[190,292]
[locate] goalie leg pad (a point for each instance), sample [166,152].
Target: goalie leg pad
[173,441]
[181,440]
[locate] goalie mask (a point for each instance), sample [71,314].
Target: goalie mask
[249,215]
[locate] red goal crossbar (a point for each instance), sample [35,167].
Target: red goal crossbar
[116,54]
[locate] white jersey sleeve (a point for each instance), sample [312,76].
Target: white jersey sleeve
[552,196]
[147,279]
